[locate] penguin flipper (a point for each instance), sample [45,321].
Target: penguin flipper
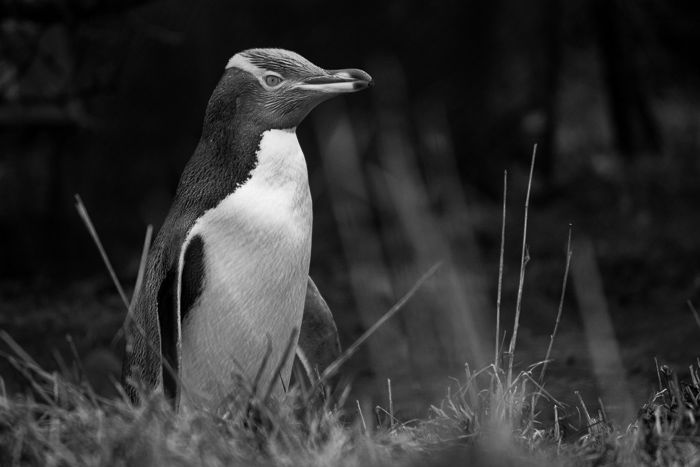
[185,291]
[318,336]
[149,330]
[169,336]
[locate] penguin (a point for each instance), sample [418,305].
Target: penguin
[227,281]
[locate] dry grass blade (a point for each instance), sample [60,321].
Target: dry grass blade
[499,294]
[695,313]
[561,305]
[391,401]
[263,365]
[658,374]
[589,419]
[542,390]
[305,365]
[27,366]
[139,282]
[288,350]
[76,356]
[16,348]
[523,262]
[82,211]
[362,417]
[350,351]
[142,269]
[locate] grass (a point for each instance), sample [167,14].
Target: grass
[64,423]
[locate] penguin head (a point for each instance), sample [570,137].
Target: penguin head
[277,88]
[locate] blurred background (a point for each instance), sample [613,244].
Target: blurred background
[105,98]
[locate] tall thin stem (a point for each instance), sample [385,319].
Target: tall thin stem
[561,306]
[500,270]
[524,258]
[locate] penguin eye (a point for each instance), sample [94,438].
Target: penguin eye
[273,80]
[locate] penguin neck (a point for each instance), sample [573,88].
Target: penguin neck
[228,153]
[229,141]
[223,159]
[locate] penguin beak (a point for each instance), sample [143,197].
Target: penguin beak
[338,81]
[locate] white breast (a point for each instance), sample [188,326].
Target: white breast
[257,245]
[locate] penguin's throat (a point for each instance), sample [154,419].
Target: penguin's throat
[279,160]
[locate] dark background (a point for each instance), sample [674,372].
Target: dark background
[106,98]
